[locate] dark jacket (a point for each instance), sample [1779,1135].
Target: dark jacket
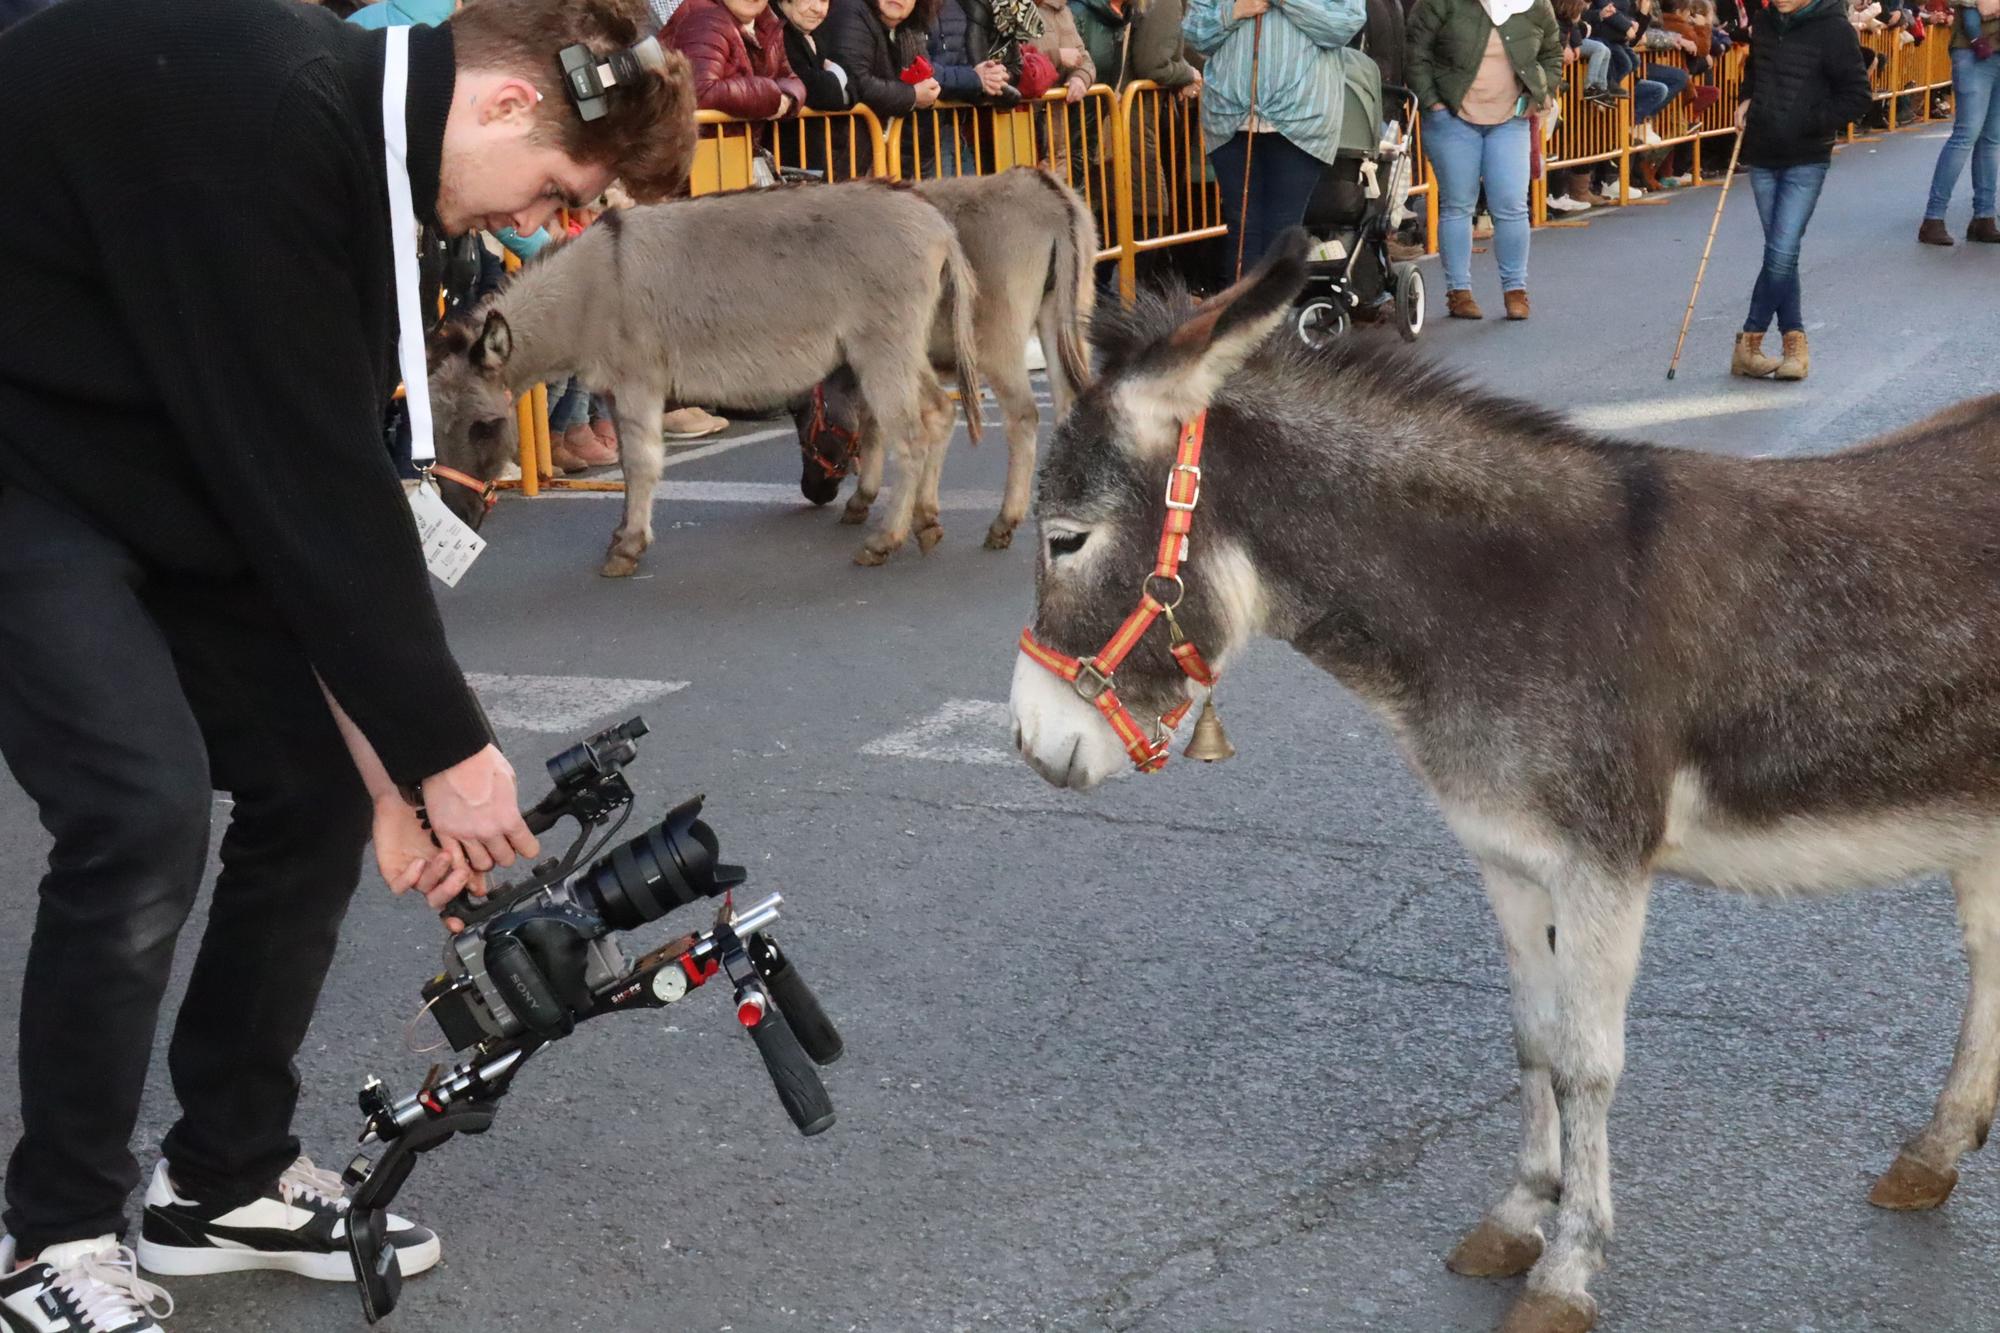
[205,382]
[1806,82]
[855,38]
[745,79]
[1154,51]
[808,58]
[1447,41]
[962,36]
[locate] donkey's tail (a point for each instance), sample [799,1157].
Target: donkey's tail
[962,290]
[1073,292]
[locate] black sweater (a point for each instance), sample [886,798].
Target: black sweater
[197,335]
[1806,83]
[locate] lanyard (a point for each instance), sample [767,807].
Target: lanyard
[403,242]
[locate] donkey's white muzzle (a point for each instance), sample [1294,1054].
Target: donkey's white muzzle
[1058,732]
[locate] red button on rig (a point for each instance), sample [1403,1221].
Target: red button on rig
[750,1010]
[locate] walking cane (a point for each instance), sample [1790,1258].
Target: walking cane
[1721,199]
[1249,144]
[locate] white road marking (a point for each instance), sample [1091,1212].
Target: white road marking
[561,704]
[961,731]
[763,493]
[724,446]
[1661,411]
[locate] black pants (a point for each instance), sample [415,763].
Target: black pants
[124,700]
[1282,177]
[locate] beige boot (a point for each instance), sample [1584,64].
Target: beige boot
[1797,359]
[1749,358]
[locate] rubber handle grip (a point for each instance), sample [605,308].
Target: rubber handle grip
[521,983]
[792,1074]
[815,1031]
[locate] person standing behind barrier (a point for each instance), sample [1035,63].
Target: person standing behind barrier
[1478,67]
[1804,83]
[1975,127]
[736,49]
[875,41]
[826,83]
[1303,65]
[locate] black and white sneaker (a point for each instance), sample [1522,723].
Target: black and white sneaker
[299,1226]
[86,1286]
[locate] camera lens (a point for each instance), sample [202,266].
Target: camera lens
[668,866]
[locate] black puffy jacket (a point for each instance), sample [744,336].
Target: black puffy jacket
[1806,83]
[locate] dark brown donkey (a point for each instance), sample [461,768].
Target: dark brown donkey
[1607,661]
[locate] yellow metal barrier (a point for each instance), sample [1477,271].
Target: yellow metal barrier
[1079,142]
[1170,196]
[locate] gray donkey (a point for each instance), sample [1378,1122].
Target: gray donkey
[748,298]
[1032,244]
[1607,662]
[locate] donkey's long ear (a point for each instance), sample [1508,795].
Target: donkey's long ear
[495,343]
[1178,375]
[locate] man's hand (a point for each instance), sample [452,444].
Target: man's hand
[927,92]
[992,77]
[1077,89]
[473,803]
[1742,115]
[410,858]
[1250,9]
[1569,55]
[1192,88]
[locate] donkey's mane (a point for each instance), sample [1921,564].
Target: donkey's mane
[1394,377]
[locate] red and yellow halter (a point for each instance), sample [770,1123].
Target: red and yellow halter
[1095,677]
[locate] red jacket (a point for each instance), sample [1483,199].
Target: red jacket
[737,78]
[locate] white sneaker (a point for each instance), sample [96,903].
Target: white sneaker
[1635,192]
[86,1286]
[510,471]
[691,423]
[1562,203]
[1037,360]
[298,1226]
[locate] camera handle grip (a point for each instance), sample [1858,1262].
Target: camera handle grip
[540,818]
[796,1001]
[792,1074]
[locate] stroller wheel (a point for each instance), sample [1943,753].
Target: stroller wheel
[1409,301]
[1320,322]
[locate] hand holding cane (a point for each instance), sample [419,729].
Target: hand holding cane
[1734,149]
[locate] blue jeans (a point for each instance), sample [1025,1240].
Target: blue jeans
[1464,155]
[1596,63]
[1975,132]
[1672,77]
[1282,177]
[1786,197]
[1648,97]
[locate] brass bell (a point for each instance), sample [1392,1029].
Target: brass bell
[1209,742]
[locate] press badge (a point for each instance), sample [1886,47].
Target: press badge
[450,546]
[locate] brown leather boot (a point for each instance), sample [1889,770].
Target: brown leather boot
[1749,359]
[1517,303]
[1460,305]
[1933,233]
[1797,359]
[1984,229]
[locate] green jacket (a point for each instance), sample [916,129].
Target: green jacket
[1447,42]
[1155,49]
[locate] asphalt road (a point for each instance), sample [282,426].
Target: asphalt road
[1224,1049]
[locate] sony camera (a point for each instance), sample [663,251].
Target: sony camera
[538,957]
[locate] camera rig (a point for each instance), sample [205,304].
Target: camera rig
[535,958]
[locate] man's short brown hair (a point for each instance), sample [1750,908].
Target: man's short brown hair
[646,137]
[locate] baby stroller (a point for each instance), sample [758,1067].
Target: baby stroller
[1351,214]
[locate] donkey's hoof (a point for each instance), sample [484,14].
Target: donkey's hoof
[1910,1186]
[1546,1312]
[929,537]
[618,566]
[868,555]
[854,513]
[1491,1252]
[999,538]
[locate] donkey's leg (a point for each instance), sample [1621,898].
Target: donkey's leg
[1007,372]
[937,427]
[1599,919]
[1509,1239]
[867,471]
[893,381]
[641,453]
[1927,1168]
